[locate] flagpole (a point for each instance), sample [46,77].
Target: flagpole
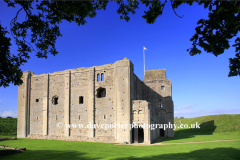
[143,61]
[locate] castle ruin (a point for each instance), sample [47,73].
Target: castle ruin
[107,94]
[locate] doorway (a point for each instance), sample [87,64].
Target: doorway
[140,135]
[137,135]
[161,132]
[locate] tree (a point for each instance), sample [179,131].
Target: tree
[44,30]
[213,34]
[38,33]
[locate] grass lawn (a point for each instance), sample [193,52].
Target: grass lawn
[217,127]
[54,149]
[188,137]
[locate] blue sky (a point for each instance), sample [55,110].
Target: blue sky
[200,85]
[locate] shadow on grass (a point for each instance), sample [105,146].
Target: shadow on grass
[49,154]
[216,153]
[206,128]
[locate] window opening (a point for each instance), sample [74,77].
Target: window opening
[101,92]
[81,100]
[55,100]
[98,77]
[160,104]
[102,77]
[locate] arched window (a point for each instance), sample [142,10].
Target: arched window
[101,92]
[102,77]
[134,115]
[55,100]
[162,87]
[98,77]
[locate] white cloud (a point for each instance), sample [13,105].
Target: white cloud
[9,113]
[184,107]
[225,111]
[186,111]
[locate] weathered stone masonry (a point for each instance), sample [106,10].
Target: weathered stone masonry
[107,94]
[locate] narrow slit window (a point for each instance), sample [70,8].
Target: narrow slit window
[98,77]
[102,77]
[160,104]
[56,117]
[79,117]
[55,101]
[104,117]
[81,100]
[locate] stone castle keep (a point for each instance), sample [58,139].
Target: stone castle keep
[107,94]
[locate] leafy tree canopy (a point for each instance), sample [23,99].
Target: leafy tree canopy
[40,30]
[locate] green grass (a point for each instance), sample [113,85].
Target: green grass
[53,149]
[212,124]
[187,137]
[212,128]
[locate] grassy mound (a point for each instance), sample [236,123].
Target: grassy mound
[211,124]
[213,127]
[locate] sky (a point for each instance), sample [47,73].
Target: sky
[200,83]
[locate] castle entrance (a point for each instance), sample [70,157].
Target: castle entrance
[161,132]
[137,135]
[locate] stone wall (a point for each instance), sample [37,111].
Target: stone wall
[158,91]
[104,109]
[36,103]
[79,111]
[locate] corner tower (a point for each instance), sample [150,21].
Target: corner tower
[158,91]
